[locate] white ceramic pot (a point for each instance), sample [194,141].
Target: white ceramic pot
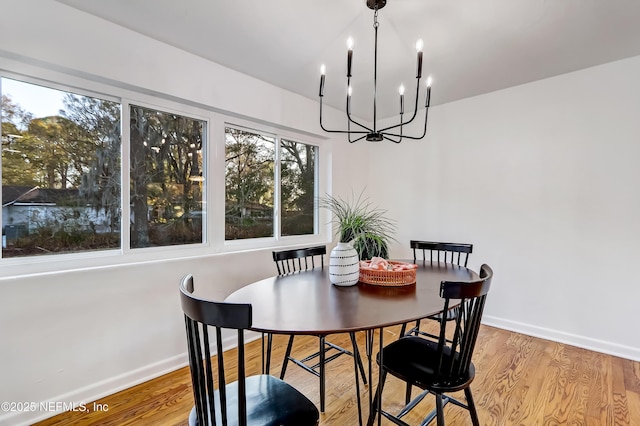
[344,265]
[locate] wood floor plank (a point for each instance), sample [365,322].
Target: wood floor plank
[619,393]
[520,380]
[631,375]
[600,388]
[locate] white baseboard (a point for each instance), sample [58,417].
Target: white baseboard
[112,385]
[589,343]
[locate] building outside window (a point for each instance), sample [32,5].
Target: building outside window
[60,171]
[63,163]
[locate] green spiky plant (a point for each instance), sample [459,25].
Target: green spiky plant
[357,221]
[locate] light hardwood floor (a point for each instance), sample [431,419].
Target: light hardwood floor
[520,380]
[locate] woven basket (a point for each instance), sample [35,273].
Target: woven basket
[388,278]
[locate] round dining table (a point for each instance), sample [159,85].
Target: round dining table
[307,303]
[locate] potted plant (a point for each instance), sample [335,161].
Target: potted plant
[360,227]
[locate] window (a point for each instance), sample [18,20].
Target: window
[65,153]
[255,191]
[166,178]
[60,171]
[298,187]
[249,184]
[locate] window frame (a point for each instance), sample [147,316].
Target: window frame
[322,228]
[126,190]
[213,170]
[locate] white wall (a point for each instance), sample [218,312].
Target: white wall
[543,180]
[81,334]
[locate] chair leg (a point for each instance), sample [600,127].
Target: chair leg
[417,328]
[369,335]
[403,329]
[287,354]
[322,362]
[439,410]
[263,354]
[373,409]
[472,407]
[267,366]
[356,355]
[407,397]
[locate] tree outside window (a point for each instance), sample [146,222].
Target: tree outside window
[298,187]
[250,185]
[166,178]
[60,172]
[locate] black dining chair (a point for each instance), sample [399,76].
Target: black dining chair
[298,260]
[438,367]
[256,400]
[437,252]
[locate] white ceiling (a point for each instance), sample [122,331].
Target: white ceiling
[470,46]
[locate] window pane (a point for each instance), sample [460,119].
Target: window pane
[60,171]
[166,178]
[298,183]
[249,184]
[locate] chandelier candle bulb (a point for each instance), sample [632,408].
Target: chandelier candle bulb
[419,45]
[349,55]
[428,92]
[401,91]
[322,73]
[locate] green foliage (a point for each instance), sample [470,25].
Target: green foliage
[249,184]
[370,245]
[100,121]
[358,221]
[166,164]
[52,240]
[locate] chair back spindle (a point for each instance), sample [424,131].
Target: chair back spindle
[262,398]
[455,361]
[296,260]
[293,261]
[453,253]
[199,314]
[438,365]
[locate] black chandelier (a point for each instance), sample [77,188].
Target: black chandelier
[392,133]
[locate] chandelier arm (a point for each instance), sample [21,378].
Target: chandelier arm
[393,140]
[355,140]
[388,137]
[355,122]
[348,109]
[415,111]
[338,131]
[350,133]
[426,114]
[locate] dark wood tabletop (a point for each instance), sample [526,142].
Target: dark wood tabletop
[307,302]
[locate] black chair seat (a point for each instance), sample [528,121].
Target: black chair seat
[441,366]
[255,400]
[270,402]
[415,361]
